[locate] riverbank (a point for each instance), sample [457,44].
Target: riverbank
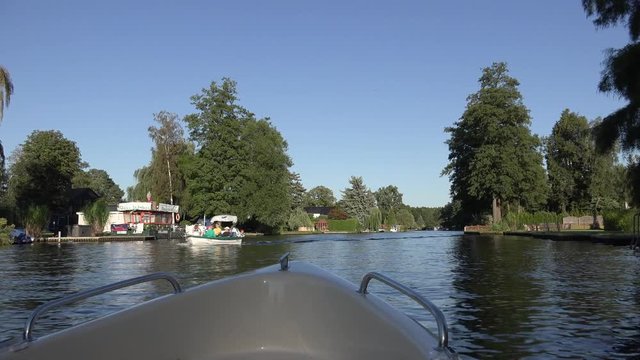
[97,238]
[594,236]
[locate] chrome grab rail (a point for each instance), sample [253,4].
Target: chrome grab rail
[284,262]
[93,292]
[443,332]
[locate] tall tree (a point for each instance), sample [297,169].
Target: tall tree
[169,145]
[298,192]
[620,76]
[569,154]
[164,176]
[100,182]
[97,215]
[374,220]
[42,173]
[358,200]
[452,216]
[139,191]
[299,218]
[406,219]
[493,157]
[240,165]
[609,187]
[430,217]
[265,193]
[389,199]
[6,90]
[320,196]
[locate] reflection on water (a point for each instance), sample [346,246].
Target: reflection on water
[503,297]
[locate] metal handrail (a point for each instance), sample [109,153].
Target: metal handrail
[93,292]
[284,262]
[635,242]
[443,331]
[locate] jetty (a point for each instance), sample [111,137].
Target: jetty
[110,238]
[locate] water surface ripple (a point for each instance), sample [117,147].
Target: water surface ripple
[503,297]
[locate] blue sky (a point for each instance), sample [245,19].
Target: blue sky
[357,88]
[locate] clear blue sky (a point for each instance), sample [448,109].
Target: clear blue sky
[361,88]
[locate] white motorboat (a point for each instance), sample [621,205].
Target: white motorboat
[196,234]
[295,311]
[220,240]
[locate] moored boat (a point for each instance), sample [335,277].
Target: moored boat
[284,311]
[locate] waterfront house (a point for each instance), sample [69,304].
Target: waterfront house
[317,211]
[135,215]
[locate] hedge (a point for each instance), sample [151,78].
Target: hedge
[350,225]
[618,220]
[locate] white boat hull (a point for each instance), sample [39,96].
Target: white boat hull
[201,240]
[302,313]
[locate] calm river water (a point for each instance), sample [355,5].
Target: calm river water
[504,297]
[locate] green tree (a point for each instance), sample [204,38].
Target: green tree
[43,170]
[298,192]
[608,188]
[391,219]
[430,216]
[265,192]
[388,199]
[580,178]
[405,219]
[374,220]
[358,200]
[337,214]
[493,157]
[452,217]
[35,219]
[139,191]
[320,196]
[5,232]
[299,218]
[6,90]
[169,145]
[569,153]
[420,222]
[100,182]
[620,76]
[240,164]
[97,214]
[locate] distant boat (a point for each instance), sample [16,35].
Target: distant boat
[19,236]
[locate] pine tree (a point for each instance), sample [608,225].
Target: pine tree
[358,200]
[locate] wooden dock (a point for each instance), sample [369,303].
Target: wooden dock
[111,238]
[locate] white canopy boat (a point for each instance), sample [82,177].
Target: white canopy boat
[296,311]
[220,240]
[195,233]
